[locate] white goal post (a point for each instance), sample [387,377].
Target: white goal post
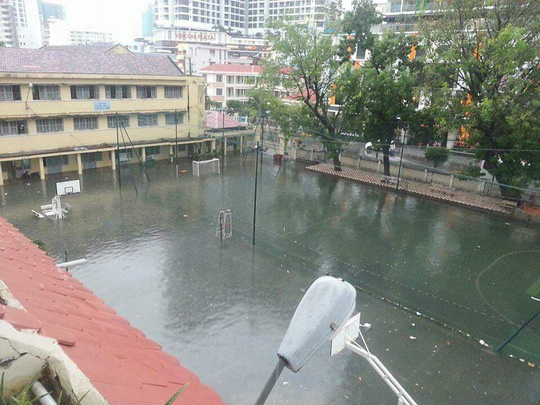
[205,167]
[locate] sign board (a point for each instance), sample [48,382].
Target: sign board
[68,187]
[102,105]
[349,332]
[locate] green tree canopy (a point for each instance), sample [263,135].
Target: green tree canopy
[381,92]
[483,76]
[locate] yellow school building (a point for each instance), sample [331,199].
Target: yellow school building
[59,109]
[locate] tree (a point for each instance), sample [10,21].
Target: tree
[381,92]
[437,156]
[305,65]
[357,25]
[483,77]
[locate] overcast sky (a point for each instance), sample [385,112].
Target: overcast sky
[122,18]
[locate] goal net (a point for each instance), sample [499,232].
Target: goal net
[205,167]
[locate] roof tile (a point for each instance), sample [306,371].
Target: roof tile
[19,60]
[124,365]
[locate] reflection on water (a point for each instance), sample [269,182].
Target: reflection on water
[222,309]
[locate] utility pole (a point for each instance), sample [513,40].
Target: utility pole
[176,139]
[223,140]
[118,152]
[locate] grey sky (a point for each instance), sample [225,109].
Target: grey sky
[122,18]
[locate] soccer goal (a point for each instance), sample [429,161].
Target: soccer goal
[205,167]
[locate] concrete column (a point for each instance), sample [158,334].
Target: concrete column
[481,186]
[41,169]
[451,180]
[425,175]
[378,166]
[213,145]
[241,144]
[312,154]
[1,176]
[282,146]
[143,154]
[225,146]
[171,153]
[79,163]
[113,159]
[358,162]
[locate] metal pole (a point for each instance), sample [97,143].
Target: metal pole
[118,153]
[399,170]
[516,332]
[176,138]
[255,196]
[66,259]
[223,140]
[271,382]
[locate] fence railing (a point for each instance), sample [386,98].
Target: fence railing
[353,156]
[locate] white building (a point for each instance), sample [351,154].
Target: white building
[226,82]
[8,28]
[20,23]
[81,37]
[247,17]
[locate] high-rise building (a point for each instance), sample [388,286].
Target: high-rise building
[51,10]
[148,18]
[20,23]
[8,28]
[248,17]
[81,37]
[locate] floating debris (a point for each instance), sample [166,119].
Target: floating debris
[412,337]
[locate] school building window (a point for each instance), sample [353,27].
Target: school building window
[170,118]
[152,150]
[50,125]
[13,127]
[84,92]
[147,120]
[146,91]
[117,92]
[85,123]
[173,91]
[46,92]
[123,120]
[10,93]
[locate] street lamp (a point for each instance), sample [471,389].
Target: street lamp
[30,87]
[322,313]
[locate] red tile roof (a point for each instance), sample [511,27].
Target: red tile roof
[123,365]
[232,68]
[214,120]
[19,60]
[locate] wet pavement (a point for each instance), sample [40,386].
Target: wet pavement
[222,309]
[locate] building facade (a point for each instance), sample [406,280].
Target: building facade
[20,23]
[247,17]
[81,37]
[227,82]
[59,110]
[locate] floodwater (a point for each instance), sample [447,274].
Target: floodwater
[222,308]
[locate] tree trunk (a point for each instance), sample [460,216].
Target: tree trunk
[386,159]
[337,162]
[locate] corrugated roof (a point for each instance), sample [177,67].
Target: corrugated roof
[232,68]
[18,60]
[217,120]
[122,364]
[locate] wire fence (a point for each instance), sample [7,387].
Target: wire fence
[354,156]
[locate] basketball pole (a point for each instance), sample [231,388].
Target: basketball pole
[255,195]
